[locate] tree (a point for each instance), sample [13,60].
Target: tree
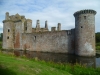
[98,37]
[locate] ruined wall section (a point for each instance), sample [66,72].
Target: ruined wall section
[14,26]
[19,29]
[8,32]
[38,29]
[57,42]
[72,41]
[28,26]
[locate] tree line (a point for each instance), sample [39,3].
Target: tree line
[97,37]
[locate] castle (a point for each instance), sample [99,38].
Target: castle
[18,34]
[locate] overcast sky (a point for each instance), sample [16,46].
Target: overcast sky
[54,11]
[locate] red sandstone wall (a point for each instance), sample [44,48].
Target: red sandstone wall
[18,33]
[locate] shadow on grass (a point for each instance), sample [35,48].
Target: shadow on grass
[6,71]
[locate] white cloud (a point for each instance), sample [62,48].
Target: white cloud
[52,10]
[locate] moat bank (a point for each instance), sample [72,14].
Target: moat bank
[11,65]
[61,58]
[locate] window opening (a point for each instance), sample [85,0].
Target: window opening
[8,30]
[35,38]
[8,37]
[81,26]
[25,28]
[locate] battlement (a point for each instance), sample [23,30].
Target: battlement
[13,18]
[84,12]
[28,19]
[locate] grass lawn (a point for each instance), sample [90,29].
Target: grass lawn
[0,45]
[11,65]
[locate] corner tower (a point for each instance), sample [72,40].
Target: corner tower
[85,32]
[8,32]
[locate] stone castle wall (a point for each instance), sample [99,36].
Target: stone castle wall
[57,42]
[18,34]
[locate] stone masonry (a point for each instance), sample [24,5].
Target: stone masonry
[18,34]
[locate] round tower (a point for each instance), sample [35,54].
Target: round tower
[85,32]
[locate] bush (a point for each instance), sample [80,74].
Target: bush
[98,44]
[97,37]
[97,47]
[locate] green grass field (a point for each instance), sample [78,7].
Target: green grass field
[11,65]
[0,45]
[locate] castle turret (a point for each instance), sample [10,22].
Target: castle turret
[28,26]
[53,28]
[46,24]
[85,32]
[59,27]
[7,16]
[8,33]
[38,24]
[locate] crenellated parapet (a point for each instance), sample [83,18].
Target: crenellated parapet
[59,27]
[85,12]
[13,18]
